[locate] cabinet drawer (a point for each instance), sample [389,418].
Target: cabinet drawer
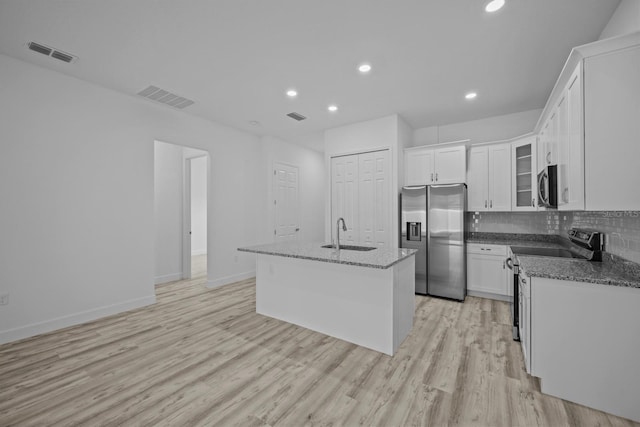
[477,248]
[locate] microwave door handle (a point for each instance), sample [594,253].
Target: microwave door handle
[541,197]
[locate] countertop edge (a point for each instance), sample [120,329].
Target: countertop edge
[330,261]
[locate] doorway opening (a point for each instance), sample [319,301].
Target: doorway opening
[181,203]
[196,191]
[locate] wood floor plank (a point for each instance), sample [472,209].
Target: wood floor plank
[204,357]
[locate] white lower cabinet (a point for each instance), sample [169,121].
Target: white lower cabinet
[487,273]
[584,341]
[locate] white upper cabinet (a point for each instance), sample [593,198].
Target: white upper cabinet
[426,166]
[450,165]
[547,143]
[571,144]
[478,179]
[524,175]
[592,122]
[612,130]
[489,178]
[418,166]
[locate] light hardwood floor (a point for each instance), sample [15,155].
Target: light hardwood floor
[204,357]
[198,266]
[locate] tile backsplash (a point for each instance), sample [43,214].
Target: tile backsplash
[513,222]
[621,228]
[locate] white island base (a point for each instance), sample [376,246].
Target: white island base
[371,307]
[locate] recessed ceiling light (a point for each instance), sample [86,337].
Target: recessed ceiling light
[332,108]
[494,5]
[364,68]
[471,95]
[292,93]
[254,123]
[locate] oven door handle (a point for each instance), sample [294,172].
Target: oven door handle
[510,263]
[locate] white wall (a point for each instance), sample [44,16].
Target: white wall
[310,165]
[168,211]
[625,19]
[76,184]
[384,133]
[495,128]
[199,206]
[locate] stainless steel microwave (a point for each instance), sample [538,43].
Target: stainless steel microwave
[548,187]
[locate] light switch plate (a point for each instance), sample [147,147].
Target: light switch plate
[4,298]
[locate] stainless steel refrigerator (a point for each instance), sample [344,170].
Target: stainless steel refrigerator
[432,221]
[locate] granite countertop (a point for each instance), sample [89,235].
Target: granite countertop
[377,258]
[612,270]
[577,270]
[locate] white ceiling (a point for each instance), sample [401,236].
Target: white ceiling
[236,58]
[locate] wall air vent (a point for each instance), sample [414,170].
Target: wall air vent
[53,53]
[165,97]
[296,116]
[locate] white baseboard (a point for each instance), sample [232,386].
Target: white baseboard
[199,252]
[73,319]
[167,278]
[230,279]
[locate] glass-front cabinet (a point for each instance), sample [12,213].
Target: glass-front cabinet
[525,188]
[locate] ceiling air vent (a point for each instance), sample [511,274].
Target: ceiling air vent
[62,56]
[296,116]
[53,53]
[165,97]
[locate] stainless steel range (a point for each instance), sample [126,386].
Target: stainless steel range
[585,244]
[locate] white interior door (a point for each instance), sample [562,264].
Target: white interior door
[344,197]
[374,198]
[287,218]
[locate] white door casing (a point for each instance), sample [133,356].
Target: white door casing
[286,202]
[186,220]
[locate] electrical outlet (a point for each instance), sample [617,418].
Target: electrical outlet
[4,298]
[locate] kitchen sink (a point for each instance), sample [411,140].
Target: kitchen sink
[548,252]
[351,247]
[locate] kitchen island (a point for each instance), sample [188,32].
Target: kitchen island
[366,298]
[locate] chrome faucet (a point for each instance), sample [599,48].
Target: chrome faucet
[344,228]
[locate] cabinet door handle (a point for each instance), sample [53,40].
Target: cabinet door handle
[533,202]
[549,158]
[503,265]
[491,203]
[431,176]
[485,203]
[436,176]
[564,195]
